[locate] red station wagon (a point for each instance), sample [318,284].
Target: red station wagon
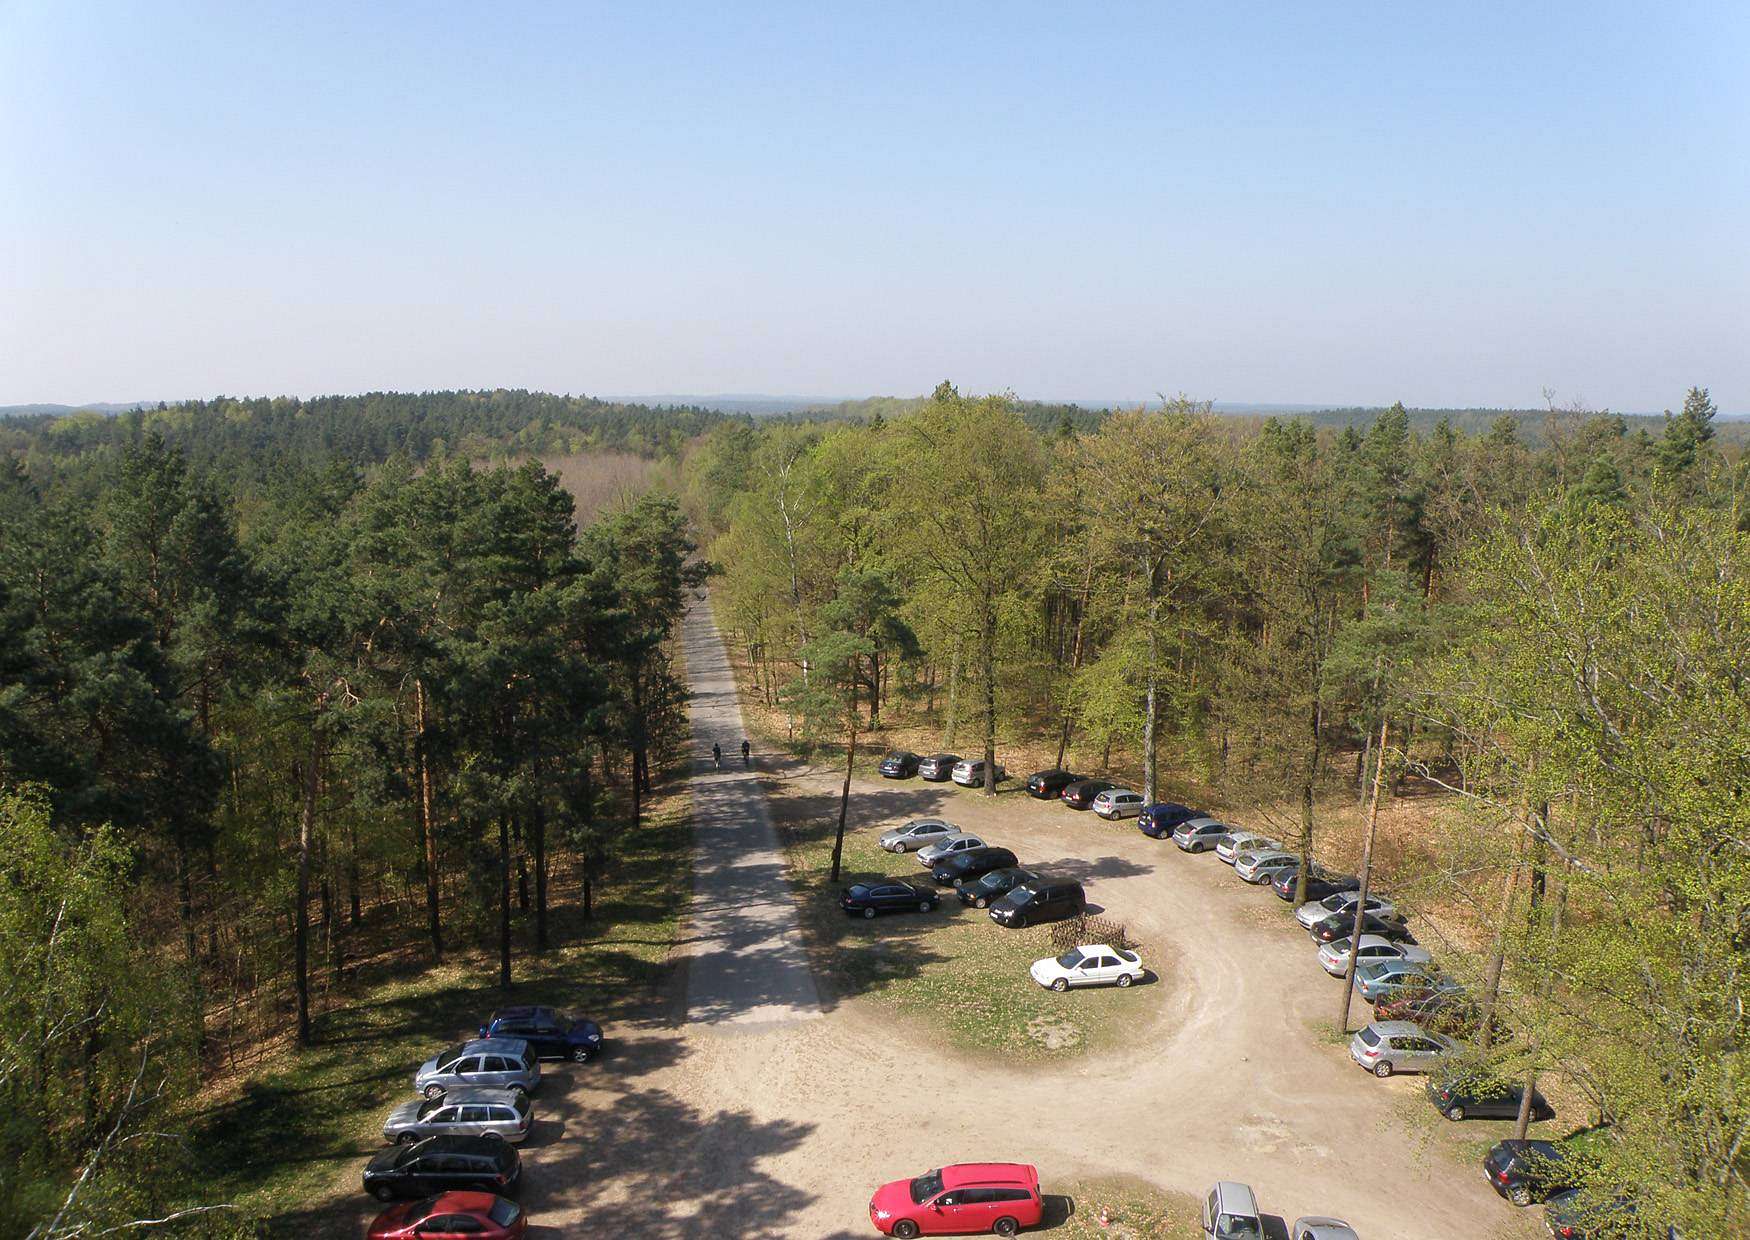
[963,1198]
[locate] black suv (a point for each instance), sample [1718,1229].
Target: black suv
[1081,794]
[901,764]
[441,1165]
[1047,784]
[1040,900]
[987,889]
[966,866]
[1528,1171]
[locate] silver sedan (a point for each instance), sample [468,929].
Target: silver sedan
[958,842]
[916,834]
[1334,956]
[1318,1227]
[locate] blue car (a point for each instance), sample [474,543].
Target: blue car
[1157,821]
[551,1033]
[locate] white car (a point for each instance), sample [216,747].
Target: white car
[959,842]
[1115,803]
[1318,1227]
[969,773]
[1262,865]
[1236,842]
[918,833]
[1313,912]
[1334,956]
[1093,965]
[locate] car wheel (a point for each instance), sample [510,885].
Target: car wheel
[522,1091]
[1124,979]
[905,1229]
[1382,1069]
[1006,1227]
[434,1091]
[407,1138]
[925,906]
[383,1192]
[580,1054]
[493,1134]
[981,902]
[1455,1113]
[1520,1196]
[1060,985]
[868,914]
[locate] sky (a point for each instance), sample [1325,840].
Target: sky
[1451,205]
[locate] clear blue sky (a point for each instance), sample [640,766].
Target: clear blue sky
[1447,204]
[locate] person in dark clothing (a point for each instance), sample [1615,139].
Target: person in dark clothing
[745,747]
[716,753]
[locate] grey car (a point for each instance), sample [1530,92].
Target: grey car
[1381,979]
[916,834]
[1318,1227]
[958,842]
[489,1063]
[1388,1046]
[1200,834]
[501,1113]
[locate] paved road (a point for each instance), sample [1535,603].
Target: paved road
[746,967]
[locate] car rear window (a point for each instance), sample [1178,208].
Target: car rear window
[503,1212]
[1369,1037]
[859,890]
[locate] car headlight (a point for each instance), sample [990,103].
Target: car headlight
[592,1037]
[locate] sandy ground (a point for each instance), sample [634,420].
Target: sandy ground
[756,1105]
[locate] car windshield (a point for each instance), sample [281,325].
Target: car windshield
[926,1186]
[426,1108]
[1071,958]
[450,1056]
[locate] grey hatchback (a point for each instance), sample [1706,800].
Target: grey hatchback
[501,1113]
[491,1063]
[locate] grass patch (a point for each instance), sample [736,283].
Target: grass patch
[299,1132]
[1133,1209]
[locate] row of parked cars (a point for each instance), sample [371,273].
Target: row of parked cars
[452,1164]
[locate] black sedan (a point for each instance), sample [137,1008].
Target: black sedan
[1342,925]
[988,888]
[900,764]
[1319,884]
[441,1165]
[938,767]
[1047,784]
[966,866]
[891,896]
[1081,794]
[1484,1099]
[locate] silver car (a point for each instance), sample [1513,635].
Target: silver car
[1200,834]
[490,1063]
[1334,956]
[1229,847]
[1313,912]
[1263,864]
[501,1113]
[958,842]
[1318,1227]
[1388,1046]
[917,833]
[1380,979]
[969,773]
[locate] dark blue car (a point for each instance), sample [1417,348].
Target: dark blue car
[551,1033]
[1157,821]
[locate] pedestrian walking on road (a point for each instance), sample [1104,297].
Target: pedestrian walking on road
[744,750]
[717,754]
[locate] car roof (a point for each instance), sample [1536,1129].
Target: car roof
[956,1174]
[1098,948]
[1233,1194]
[475,1046]
[1202,821]
[480,1093]
[522,1012]
[1398,1028]
[940,757]
[466,1202]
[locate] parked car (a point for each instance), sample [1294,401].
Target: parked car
[442,1164]
[918,833]
[937,767]
[1116,803]
[1334,956]
[966,866]
[493,1063]
[1230,1212]
[1158,821]
[969,773]
[1037,901]
[958,842]
[1047,784]
[900,764]
[890,896]
[1342,925]
[1452,1013]
[1319,884]
[1314,911]
[1577,1215]
[1199,834]
[1229,847]
[1093,965]
[1527,1171]
[958,1199]
[1388,1046]
[551,1033]
[1479,1098]
[501,1113]
[1377,978]
[1081,794]
[986,889]
[1262,865]
[1317,1227]
[477,1216]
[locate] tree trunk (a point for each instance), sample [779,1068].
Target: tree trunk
[538,832]
[185,901]
[1366,882]
[988,657]
[1151,697]
[838,843]
[1075,662]
[1309,777]
[1498,955]
[301,917]
[953,697]
[427,828]
[504,901]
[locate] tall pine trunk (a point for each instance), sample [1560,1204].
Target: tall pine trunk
[987,654]
[838,843]
[538,834]
[301,916]
[504,901]
[1366,882]
[427,828]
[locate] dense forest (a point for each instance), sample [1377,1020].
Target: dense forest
[1547,642]
[269,672]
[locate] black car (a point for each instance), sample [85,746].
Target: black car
[1319,884]
[1157,821]
[1528,1171]
[443,1164]
[1081,794]
[550,1033]
[888,896]
[1047,784]
[1483,1099]
[1342,925]
[1043,899]
[1574,1215]
[990,887]
[900,764]
[938,767]
[966,866]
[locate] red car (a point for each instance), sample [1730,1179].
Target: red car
[461,1216]
[966,1197]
